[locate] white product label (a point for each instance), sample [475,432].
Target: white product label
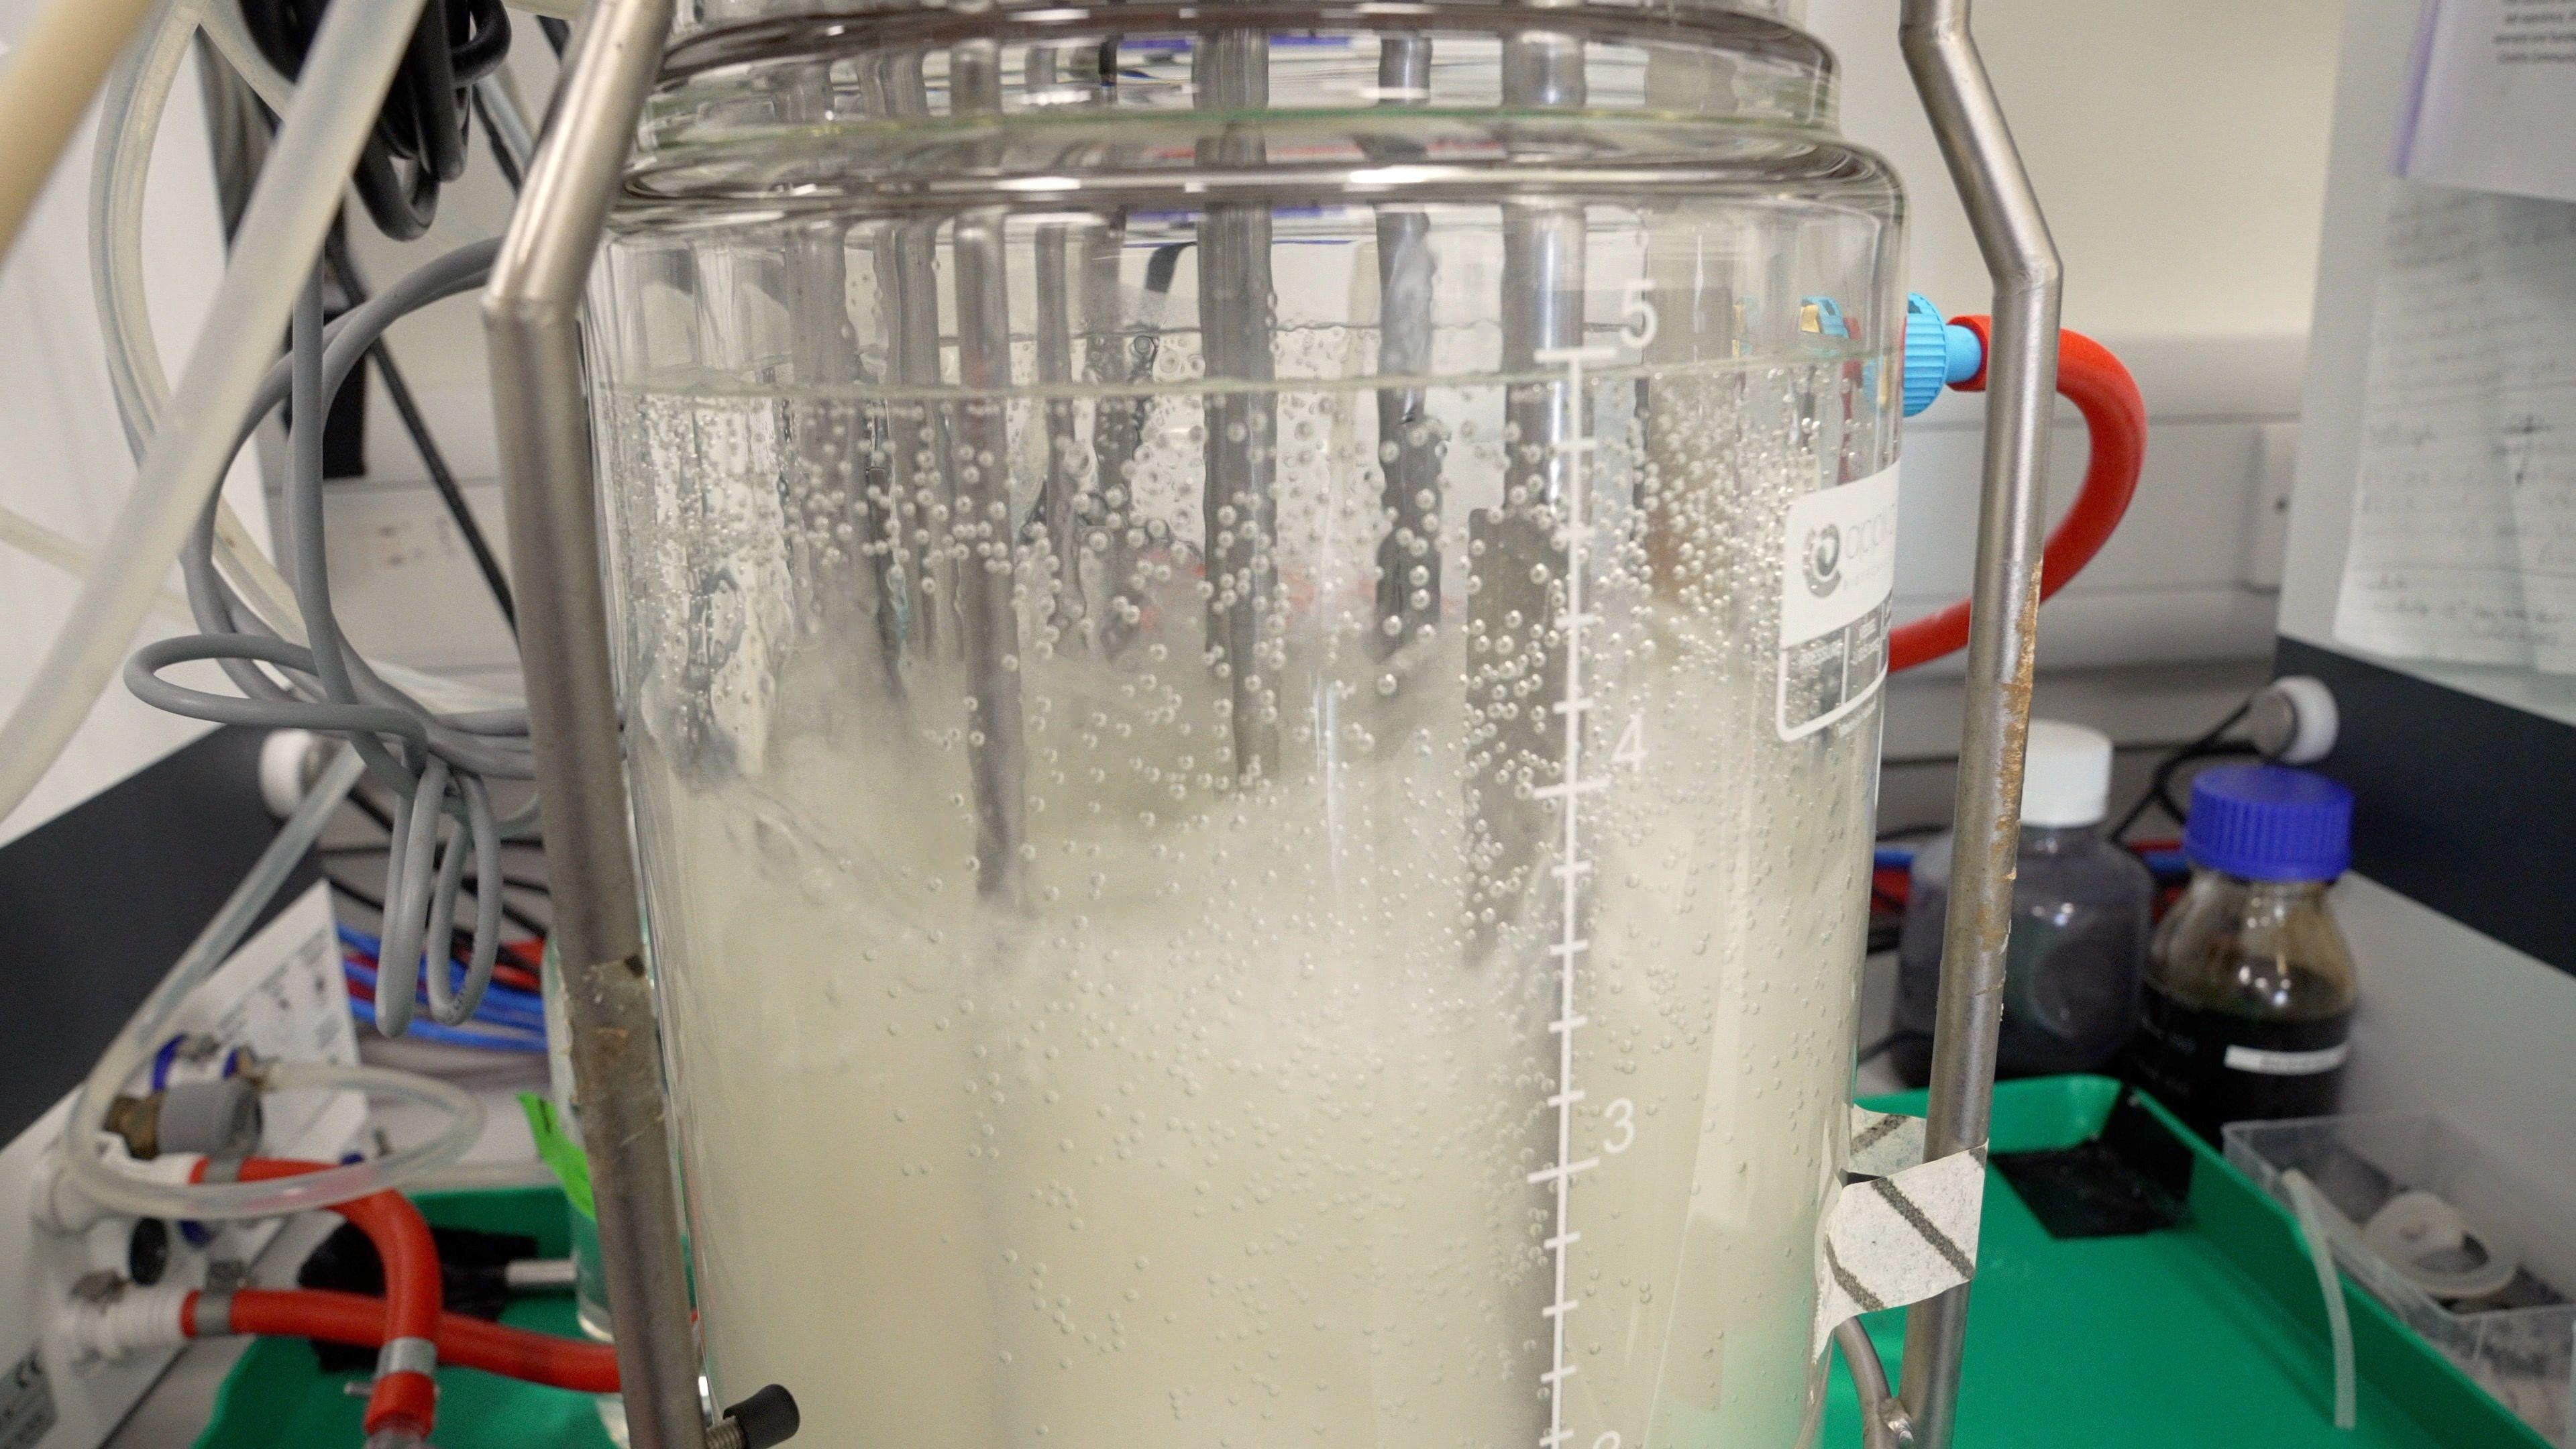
[2288,1064]
[1837,573]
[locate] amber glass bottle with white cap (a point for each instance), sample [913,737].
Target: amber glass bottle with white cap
[2080,919]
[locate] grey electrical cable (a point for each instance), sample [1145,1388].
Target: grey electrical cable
[434,765]
[411,893]
[353,286]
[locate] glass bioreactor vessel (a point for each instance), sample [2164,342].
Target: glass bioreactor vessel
[1248,639]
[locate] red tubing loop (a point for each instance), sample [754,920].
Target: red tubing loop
[411,1308]
[2115,419]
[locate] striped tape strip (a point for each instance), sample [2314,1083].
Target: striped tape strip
[1906,1231]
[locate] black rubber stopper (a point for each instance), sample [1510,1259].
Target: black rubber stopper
[767,1417]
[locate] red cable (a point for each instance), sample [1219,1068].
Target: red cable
[359,1321]
[2115,418]
[411,1304]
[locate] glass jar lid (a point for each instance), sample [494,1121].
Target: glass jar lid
[1034,105]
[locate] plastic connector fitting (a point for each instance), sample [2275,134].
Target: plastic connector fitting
[56,1203]
[212,1119]
[1938,354]
[139,1320]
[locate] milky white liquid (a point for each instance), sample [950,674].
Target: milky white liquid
[1209,1117]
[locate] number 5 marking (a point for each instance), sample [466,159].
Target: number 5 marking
[1637,316]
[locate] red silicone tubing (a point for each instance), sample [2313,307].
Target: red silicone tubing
[411,1305]
[359,1321]
[2115,420]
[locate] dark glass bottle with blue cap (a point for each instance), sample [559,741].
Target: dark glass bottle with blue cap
[2247,1012]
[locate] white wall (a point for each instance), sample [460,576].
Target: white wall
[2179,150]
[2179,147]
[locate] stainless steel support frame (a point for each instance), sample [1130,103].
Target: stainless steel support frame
[2021,389]
[1883,1422]
[531,315]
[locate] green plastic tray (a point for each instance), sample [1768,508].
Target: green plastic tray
[2209,1335]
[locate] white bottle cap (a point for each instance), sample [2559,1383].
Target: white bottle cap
[2067,778]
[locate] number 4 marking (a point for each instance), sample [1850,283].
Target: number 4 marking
[1632,743]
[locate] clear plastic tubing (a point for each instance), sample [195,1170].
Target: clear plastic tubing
[137,96]
[148,1197]
[352,61]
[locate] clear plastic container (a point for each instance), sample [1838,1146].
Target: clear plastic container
[2250,988]
[2515,1335]
[2081,911]
[1251,682]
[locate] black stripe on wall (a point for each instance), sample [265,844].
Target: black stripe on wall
[2463,804]
[98,902]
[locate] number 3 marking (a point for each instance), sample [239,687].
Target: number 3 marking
[1623,1123]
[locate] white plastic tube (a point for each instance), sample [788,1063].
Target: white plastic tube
[346,74]
[144,1192]
[39,542]
[2314,1213]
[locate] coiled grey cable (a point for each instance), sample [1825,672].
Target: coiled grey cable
[435,765]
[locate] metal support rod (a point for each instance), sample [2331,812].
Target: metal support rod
[1408,569]
[1883,1424]
[531,313]
[980,527]
[2021,386]
[920,484]
[1517,552]
[1232,72]
[1061,493]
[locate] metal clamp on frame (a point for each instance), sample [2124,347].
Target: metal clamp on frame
[531,316]
[2003,635]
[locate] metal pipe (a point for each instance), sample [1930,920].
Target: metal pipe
[1408,568]
[530,316]
[1516,551]
[1883,1424]
[920,485]
[981,527]
[2020,392]
[1232,71]
[1062,490]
